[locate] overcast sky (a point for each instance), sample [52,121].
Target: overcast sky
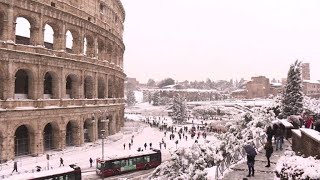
[220,39]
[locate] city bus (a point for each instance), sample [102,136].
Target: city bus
[128,163]
[71,172]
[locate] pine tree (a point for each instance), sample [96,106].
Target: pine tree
[131,99]
[179,109]
[156,98]
[292,100]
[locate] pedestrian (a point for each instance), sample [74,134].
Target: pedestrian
[132,141]
[160,145]
[150,144]
[269,133]
[15,166]
[145,146]
[165,145]
[129,146]
[279,137]
[61,162]
[91,161]
[124,146]
[269,150]
[250,163]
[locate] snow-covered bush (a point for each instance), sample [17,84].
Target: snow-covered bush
[291,166]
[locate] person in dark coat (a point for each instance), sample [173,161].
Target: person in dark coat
[250,163]
[145,146]
[15,166]
[91,161]
[269,133]
[61,162]
[269,150]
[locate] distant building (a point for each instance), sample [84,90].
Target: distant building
[311,88]
[258,87]
[305,71]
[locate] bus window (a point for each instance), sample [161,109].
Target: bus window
[154,158]
[116,164]
[147,158]
[140,160]
[134,161]
[123,163]
[130,162]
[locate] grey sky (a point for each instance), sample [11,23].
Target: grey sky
[194,40]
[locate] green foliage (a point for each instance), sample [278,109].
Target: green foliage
[166,82]
[179,109]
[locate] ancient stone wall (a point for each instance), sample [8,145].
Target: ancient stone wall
[53,96]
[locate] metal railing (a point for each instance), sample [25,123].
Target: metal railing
[239,155]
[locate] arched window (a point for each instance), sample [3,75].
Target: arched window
[70,134]
[48,137]
[101,88]
[88,130]
[22,141]
[22,31]
[1,24]
[69,42]
[47,86]
[21,88]
[48,36]
[88,87]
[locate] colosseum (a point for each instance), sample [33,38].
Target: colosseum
[61,73]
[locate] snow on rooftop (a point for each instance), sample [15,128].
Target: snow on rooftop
[42,173]
[312,81]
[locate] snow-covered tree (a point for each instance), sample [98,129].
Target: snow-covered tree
[131,99]
[179,109]
[156,98]
[292,102]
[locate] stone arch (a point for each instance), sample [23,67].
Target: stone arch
[1,84]
[23,31]
[51,85]
[101,88]
[88,87]
[51,35]
[109,52]
[72,86]
[101,49]
[88,45]
[2,24]
[23,84]
[110,86]
[72,130]
[111,129]
[73,42]
[51,136]
[23,140]
[1,147]
[88,130]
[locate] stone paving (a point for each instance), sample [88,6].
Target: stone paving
[240,171]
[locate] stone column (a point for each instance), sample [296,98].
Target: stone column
[9,26]
[95,86]
[107,86]
[37,146]
[61,143]
[9,147]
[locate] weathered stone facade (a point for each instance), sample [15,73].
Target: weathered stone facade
[52,96]
[306,141]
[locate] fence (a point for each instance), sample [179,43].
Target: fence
[239,154]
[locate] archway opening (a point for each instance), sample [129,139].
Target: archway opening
[88,46]
[47,86]
[22,31]
[101,88]
[69,42]
[21,88]
[88,87]
[22,141]
[1,148]
[48,36]
[71,133]
[1,85]
[48,139]
[101,49]
[1,24]
[110,125]
[110,87]
[88,130]
[71,86]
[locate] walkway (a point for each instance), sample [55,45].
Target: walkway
[240,171]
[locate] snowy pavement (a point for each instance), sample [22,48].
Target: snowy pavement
[240,170]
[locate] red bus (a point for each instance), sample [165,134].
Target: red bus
[71,172]
[134,162]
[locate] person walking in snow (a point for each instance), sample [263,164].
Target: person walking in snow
[269,150]
[129,146]
[124,146]
[91,161]
[165,145]
[150,144]
[145,146]
[61,162]
[15,166]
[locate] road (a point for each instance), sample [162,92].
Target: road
[91,175]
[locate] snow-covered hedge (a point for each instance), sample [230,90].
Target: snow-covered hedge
[291,166]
